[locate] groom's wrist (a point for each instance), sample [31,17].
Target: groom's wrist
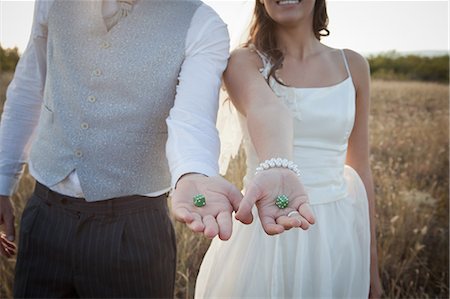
[189,175]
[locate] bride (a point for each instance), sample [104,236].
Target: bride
[303,108]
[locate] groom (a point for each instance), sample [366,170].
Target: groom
[103,93]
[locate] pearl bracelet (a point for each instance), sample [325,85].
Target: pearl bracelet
[278,163]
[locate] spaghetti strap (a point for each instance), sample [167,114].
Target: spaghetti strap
[346,63]
[265,60]
[263,57]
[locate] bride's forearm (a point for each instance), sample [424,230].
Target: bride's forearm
[271,130]
[269,121]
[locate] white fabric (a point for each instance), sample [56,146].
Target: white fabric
[230,131]
[191,123]
[332,258]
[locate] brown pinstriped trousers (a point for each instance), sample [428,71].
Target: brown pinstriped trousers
[68,248]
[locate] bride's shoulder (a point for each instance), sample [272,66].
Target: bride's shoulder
[359,69]
[356,61]
[245,57]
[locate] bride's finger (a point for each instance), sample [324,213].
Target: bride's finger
[211,227]
[306,212]
[270,226]
[288,222]
[252,195]
[304,223]
[225,225]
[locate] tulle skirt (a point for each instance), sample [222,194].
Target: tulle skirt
[330,260]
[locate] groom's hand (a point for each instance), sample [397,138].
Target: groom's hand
[214,218]
[263,191]
[7,247]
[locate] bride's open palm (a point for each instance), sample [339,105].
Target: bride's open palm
[263,191]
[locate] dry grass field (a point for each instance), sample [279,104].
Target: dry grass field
[409,158]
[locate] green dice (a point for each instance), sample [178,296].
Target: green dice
[282,201]
[199,200]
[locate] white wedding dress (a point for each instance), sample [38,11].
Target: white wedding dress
[332,258]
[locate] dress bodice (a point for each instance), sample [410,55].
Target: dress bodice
[323,121]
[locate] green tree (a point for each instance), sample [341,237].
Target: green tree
[393,66]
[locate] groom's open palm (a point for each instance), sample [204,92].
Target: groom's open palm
[214,218]
[264,189]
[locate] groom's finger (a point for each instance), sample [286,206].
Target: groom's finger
[183,215]
[211,227]
[225,225]
[196,225]
[6,243]
[4,252]
[6,248]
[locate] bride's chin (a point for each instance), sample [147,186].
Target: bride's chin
[287,21]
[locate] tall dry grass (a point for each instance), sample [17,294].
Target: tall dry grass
[409,145]
[409,138]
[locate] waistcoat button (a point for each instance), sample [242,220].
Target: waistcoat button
[97,72]
[105,45]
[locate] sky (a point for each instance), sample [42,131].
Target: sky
[364,26]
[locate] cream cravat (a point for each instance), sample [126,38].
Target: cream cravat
[125,7]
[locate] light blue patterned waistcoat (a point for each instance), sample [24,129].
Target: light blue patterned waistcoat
[107,96]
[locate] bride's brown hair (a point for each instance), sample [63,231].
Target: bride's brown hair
[262,32]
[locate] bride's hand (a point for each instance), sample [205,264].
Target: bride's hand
[376,288]
[214,218]
[263,190]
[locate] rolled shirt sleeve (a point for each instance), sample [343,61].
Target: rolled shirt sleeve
[193,143]
[24,96]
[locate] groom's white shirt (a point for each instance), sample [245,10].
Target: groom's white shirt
[191,123]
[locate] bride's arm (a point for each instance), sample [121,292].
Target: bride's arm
[269,121]
[358,154]
[270,125]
